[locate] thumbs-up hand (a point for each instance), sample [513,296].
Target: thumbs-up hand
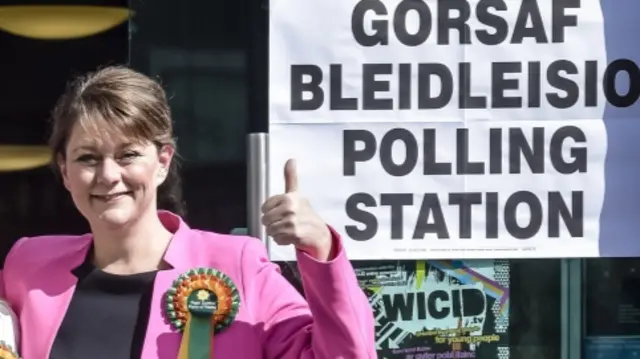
[290,220]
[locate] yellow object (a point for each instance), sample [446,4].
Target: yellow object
[60,22]
[184,343]
[18,158]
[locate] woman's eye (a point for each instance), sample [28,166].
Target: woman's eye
[130,155]
[87,158]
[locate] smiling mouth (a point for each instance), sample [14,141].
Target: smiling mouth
[111,196]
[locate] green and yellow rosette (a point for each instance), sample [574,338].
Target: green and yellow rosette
[6,352]
[200,303]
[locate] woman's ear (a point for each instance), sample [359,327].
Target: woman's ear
[62,167]
[165,156]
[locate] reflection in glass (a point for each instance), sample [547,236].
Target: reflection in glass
[198,50]
[612,308]
[483,309]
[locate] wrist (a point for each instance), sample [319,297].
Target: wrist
[323,249]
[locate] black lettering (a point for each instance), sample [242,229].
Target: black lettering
[425,72]
[424,23]
[560,20]
[464,201]
[463,165]
[578,155]
[351,154]
[464,90]
[491,214]
[446,22]
[573,218]
[511,217]
[495,150]
[371,85]
[534,84]
[500,84]
[456,303]
[591,84]
[380,35]
[396,201]
[529,10]
[336,101]
[434,298]
[496,22]
[533,153]
[299,87]
[431,166]
[404,86]
[386,152]
[355,213]
[431,208]
[422,305]
[473,302]
[556,80]
[609,83]
[398,305]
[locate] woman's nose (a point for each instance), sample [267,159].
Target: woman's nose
[109,171]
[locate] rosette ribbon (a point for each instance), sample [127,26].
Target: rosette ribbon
[200,304]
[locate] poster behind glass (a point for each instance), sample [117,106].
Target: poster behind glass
[438,309]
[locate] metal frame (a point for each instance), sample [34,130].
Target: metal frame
[258,115]
[258,182]
[571,310]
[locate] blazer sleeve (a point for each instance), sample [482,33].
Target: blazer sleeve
[335,321]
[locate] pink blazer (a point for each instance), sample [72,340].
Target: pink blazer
[274,321]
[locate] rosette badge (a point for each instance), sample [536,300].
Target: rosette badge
[6,352]
[200,303]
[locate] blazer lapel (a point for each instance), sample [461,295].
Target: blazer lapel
[54,298]
[161,340]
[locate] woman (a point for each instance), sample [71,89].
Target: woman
[143,284]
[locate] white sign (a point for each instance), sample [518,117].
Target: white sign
[455,129]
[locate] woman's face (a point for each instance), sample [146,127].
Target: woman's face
[113,181]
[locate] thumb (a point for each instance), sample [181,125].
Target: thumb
[290,176]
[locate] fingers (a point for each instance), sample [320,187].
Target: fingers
[279,218]
[280,232]
[276,214]
[290,176]
[279,211]
[276,201]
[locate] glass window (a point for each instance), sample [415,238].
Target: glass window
[482,309]
[33,202]
[536,307]
[612,308]
[197,49]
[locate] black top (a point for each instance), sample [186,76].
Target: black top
[107,316]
